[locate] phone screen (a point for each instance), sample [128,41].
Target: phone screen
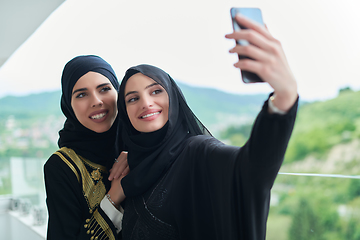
[252,13]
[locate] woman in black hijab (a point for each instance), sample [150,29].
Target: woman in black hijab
[184,183]
[77,176]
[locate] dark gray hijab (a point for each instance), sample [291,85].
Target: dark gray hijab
[96,147]
[151,154]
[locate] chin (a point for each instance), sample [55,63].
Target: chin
[101,129]
[150,129]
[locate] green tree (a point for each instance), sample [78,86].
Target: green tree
[354,189]
[353,229]
[305,223]
[238,135]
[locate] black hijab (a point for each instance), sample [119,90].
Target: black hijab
[96,147]
[151,154]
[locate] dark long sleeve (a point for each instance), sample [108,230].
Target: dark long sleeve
[213,190]
[230,186]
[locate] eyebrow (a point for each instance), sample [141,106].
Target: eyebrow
[149,86]
[84,89]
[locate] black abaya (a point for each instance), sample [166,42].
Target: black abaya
[76,176]
[214,191]
[196,186]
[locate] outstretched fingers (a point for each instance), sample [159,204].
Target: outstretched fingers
[266,58]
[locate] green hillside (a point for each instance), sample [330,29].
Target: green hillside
[214,107]
[41,104]
[200,98]
[210,105]
[29,124]
[321,125]
[325,140]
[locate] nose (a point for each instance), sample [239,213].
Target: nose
[96,101]
[147,102]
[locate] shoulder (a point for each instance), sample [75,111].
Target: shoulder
[59,166]
[204,144]
[201,140]
[54,161]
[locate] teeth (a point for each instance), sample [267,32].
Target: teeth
[150,114]
[98,116]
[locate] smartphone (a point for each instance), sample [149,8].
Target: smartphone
[254,14]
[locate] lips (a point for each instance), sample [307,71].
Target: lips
[99,116]
[149,115]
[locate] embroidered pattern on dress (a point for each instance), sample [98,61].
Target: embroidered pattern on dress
[93,192]
[139,223]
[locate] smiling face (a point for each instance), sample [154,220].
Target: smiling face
[147,103]
[94,102]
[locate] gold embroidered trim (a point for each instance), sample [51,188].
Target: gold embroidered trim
[96,175]
[69,164]
[98,228]
[103,225]
[93,165]
[93,193]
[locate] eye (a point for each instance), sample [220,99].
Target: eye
[105,89]
[81,95]
[157,91]
[133,99]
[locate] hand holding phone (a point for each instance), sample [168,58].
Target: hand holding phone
[254,14]
[264,58]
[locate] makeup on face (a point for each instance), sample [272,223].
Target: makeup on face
[94,102]
[147,103]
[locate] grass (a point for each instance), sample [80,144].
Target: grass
[278,227]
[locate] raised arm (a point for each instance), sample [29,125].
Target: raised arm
[268,61]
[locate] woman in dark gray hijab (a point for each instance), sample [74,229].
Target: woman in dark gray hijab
[82,202]
[184,183]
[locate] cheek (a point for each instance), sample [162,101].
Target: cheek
[166,107]
[76,108]
[115,97]
[80,111]
[111,99]
[130,113]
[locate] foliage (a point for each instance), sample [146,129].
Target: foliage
[31,106]
[352,229]
[305,223]
[237,135]
[354,189]
[322,125]
[29,152]
[319,126]
[324,200]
